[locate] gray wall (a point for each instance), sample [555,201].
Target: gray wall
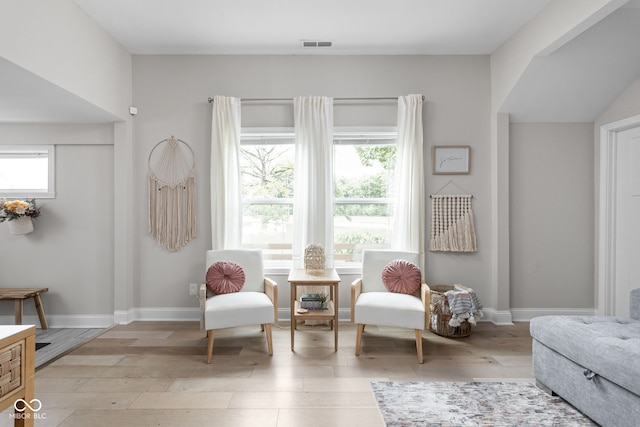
[171,95]
[71,249]
[551,217]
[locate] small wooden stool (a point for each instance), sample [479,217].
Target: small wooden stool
[18,295]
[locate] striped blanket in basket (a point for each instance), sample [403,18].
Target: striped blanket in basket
[464,305]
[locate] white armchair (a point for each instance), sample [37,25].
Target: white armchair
[373,304]
[255,304]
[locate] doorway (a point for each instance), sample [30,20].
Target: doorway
[619,210]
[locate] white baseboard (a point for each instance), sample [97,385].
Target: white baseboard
[178,314]
[64,321]
[526,314]
[168,314]
[121,317]
[499,317]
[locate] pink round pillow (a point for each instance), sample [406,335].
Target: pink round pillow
[225,277]
[401,276]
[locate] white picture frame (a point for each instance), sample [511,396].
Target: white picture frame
[450,159]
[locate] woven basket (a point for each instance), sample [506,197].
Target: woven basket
[314,258]
[440,314]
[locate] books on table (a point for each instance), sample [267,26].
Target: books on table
[313,301]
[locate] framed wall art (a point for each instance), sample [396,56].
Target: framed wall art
[450,159]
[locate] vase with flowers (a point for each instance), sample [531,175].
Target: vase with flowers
[19,214]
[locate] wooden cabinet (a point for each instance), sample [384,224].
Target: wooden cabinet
[17,372]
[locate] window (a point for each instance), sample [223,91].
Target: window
[364,171]
[266,176]
[363,180]
[27,171]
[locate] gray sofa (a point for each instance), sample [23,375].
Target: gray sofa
[592,362]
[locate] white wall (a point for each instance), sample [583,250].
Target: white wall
[626,105]
[57,41]
[71,249]
[551,214]
[78,252]
[555,25]
[171,95]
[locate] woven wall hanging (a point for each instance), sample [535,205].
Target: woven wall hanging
[452,228]
[172,194]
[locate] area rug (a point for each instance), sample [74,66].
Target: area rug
[418,403]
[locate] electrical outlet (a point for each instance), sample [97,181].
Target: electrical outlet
[193,288]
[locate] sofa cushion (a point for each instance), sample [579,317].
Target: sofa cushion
[608,346]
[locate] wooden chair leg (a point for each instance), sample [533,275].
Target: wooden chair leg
[262,327]
[419,345]
[40,310]
[209,345]
[17,309]
[269,339]
[359,339]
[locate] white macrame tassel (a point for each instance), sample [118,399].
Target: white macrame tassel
[172,199]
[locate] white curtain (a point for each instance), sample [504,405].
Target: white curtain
[226,197]
[313,177]
[408,230]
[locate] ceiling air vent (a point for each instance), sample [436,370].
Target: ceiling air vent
[316,43]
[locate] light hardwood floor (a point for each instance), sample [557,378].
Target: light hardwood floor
[154,374]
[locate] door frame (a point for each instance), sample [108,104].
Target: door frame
[607,209]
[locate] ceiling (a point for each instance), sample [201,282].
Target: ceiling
[28,98]
[573,83]
[277,27]
[578,81]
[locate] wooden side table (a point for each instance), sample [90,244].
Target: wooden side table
[18,357]
[18,295]
[327,277]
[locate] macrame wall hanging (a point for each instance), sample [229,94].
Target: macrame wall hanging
[172,194]
[452,228]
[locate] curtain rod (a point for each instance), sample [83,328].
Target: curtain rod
[335,99]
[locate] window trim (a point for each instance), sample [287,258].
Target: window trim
[30,151]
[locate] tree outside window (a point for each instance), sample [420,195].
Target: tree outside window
[363,215]
[266,167]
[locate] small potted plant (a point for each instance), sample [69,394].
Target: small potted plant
[323,301]
[19,214]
